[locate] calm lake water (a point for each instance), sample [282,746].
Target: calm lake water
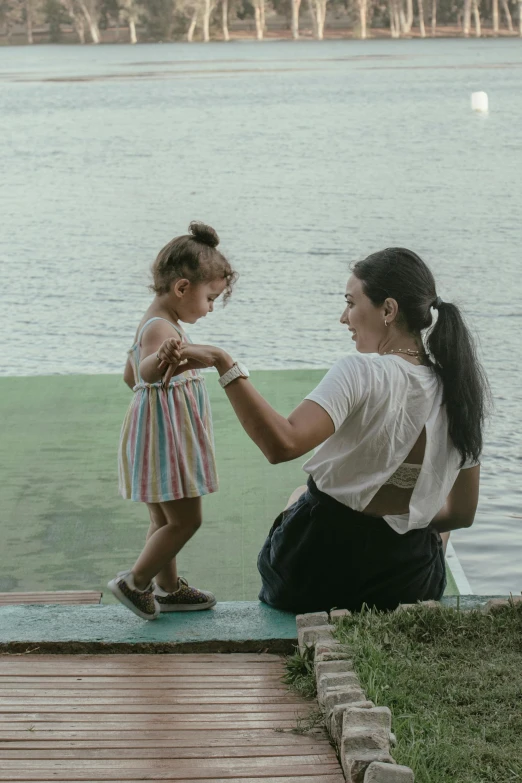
[304,156]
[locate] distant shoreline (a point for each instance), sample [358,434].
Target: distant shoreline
[117,36]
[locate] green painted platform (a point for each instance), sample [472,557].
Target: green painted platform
[242,626]
[63,525]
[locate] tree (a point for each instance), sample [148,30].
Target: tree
[259,16]
[476,17]
[296,4]
[224,19]
[422,28]
[318,14]
[395,19]
[90,9]
[131,12]
[207,8]
[362,9]
[9,16]
[466,22]
[509,21]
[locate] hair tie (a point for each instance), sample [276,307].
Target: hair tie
[437,303]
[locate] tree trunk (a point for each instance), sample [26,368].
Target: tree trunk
[494,16]
[422,28]
[407,21]
[207,10]
[312,6]
[259,15]
[466,22]
[434,18]
[363,8]
[192,26]
[224,20]
[520,18]
[321,5]
[395,19]
[132,30]
[91,22]
[509,21]
[29,20]
[476,17]
[295,18]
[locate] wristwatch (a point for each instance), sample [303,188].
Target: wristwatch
[237,370]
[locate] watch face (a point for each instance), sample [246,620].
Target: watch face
[242,369]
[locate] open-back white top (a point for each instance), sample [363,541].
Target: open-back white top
[379,406]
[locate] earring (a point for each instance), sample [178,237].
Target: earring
[385,322]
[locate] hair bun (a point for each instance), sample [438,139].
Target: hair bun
[203,233]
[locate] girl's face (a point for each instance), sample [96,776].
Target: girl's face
[364,319]
[193,301]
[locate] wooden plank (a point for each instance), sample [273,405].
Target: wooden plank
[167,724]
[138,706]
[181,770]
[223,696]
[322,777]
[139,738]
[138,660]
[218,747]
[161,752]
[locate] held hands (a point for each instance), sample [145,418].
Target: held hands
[187,356]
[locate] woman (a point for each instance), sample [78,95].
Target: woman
[398,428]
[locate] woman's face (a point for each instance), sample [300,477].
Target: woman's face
[364,320]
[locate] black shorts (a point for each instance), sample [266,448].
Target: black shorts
[321,554]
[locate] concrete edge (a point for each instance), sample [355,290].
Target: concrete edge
[275,646]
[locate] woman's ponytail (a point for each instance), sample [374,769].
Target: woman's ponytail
[402,275]
[465,388]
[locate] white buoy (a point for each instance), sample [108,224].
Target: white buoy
[479,102]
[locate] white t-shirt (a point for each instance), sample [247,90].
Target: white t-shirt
[379,406]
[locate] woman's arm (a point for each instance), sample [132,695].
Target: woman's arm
[280,439]
[461,505]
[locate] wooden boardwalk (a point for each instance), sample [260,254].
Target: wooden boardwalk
[66,597]
[195,718]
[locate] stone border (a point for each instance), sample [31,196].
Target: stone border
[360,730]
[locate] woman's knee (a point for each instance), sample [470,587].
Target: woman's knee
[296,494]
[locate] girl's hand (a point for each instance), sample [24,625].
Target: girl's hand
[169,352]
[199,356]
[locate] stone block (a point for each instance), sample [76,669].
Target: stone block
[330,667]
[355,764]
[309,635]
[354,740]
[335,717]
[375,718]
[343,695]
[335,680]
[329,646]
[338,614]
[311,619]
[378,772]
[332,656]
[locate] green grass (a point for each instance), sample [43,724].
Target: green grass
[453,682]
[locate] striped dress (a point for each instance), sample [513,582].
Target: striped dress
[166,447]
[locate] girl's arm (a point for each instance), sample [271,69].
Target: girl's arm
[280,439]
[461,505]
[128,375]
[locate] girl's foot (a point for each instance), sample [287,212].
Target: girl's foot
[184,599]
[141,602]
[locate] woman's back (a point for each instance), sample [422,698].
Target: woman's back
[386,411]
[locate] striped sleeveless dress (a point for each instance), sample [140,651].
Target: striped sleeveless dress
[166,449]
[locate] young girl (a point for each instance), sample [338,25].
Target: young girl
[166,454]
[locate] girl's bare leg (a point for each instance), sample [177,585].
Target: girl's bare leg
[167,577]
[296,494]
[183,518]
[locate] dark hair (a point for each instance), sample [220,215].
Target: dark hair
[402,275]
[193,256]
